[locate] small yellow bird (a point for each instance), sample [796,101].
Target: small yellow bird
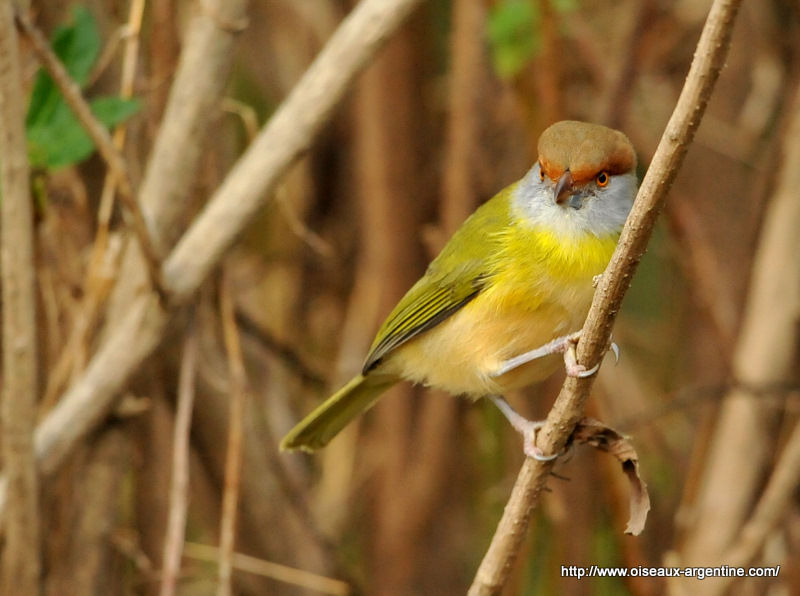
[509,290]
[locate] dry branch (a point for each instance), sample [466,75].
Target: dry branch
[179,483]
[765,355]
[707,63]
[100,137]
[129,61]
[288,134]
[21,565]
[105,257]
[275,571]
[200,81]
[237,383]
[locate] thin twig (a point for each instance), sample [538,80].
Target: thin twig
[126,91]
[101,138]
[237,379]
[286,353]
[707,63]
[179,489]
[275,571]
[104,261]
[21,552]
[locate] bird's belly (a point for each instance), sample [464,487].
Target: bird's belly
[461,354]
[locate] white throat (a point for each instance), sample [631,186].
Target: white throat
[598,211]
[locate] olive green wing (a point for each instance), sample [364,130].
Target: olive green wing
[452,280]
[421,309]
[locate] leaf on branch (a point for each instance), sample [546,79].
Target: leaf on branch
[55,137]
[596,434]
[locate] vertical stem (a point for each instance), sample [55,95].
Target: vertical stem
[233,460]
[21,565]
[179,489]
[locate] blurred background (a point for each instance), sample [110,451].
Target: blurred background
[406,500]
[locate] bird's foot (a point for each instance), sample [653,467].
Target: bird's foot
[574,369]
[571,362]
[527,428]
[561,345]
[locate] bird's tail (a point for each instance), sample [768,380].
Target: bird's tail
[325,422]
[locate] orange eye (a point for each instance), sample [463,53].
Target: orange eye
[602,179]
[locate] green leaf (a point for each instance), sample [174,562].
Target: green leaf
[77,46]
[113,110]
[55,137]
[514,38]
[63,141]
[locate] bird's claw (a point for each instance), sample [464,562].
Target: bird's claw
[614,348]
[574,369]
[529,443]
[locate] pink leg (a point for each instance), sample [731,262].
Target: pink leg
[561,345]
[527,428]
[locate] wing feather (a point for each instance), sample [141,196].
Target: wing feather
[452,280]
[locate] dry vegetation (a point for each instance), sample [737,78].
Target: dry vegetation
[279,232]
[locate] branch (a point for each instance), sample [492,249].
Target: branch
[199,82]
[707,63]
[21,563]
[237,393]
[179,482]
[774,331]
[100,137]
[742,445]
[288,134]
[194,97]
[275,571]
[771,507]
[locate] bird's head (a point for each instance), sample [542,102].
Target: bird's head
[583,182]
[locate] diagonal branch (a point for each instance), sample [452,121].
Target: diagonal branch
[286,136]
[708,61]
[100,137]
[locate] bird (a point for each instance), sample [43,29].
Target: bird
[508,293]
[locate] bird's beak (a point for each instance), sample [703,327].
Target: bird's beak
[563,188]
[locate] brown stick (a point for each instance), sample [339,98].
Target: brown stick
[179,488]
[708,62]
[237,383]
[104,260]
[21,564]
[286,136]
[275,571]
[742,445]
[773,332]
[101,138]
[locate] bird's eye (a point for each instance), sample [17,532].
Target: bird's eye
[541,173]
[602,179]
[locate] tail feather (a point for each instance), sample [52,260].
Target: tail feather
[330,417]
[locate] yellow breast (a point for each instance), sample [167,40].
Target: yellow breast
[539,288]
